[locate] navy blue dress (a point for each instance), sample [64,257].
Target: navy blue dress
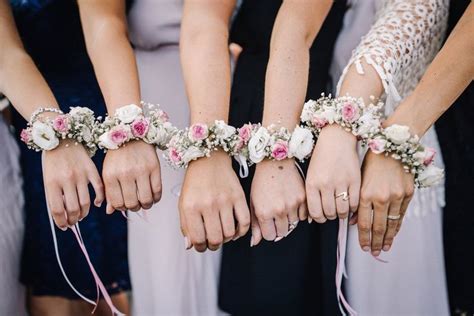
[52,34]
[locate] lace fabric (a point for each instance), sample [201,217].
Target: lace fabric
[401,43]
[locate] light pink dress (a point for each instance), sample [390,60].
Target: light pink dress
[166,279]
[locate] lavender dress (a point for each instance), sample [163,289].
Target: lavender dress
[166,279]
[12,293]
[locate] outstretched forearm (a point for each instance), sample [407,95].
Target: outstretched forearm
[205,58]
[446,78]
[105,32]
[20,80]
[296,26]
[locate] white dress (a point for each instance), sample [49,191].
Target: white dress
[12,293]
[399,39]
[166,279]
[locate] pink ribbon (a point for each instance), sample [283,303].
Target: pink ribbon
[100,286]
[341,268]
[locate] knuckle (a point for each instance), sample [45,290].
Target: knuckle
[381,197]
[398,194]
[410,191]
[364,229]
[379,230]
[311,186]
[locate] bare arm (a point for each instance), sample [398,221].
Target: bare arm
[131,173]
[445,79]
[212,200]
[286,81]
[105,31]
[66,170]
[278,194]
[20,79]
[205,58]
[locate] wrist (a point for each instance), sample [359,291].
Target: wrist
[339,135]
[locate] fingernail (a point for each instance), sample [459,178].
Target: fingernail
[251,242]
[386,248]
[295,223]
[236,237]
[186,243]
[366,248]
[310,220]
[376,253]
[63,228]
[278,239]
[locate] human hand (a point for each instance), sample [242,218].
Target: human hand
[386,191]
[67,171]
[132,177]
[278,200]
[211,202]
[333,169]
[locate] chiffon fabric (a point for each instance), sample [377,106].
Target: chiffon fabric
[12,293]
[413,281]
[166,278]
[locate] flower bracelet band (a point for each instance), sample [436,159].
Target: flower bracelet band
[131,122]
[200,140]
[397,142]
[259,143]
[350,113]
[79,125]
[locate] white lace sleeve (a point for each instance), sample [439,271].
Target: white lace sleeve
[403,40]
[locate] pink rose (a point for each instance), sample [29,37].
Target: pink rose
[377,145]
[118,135]
[25,136]
[61,124]
[140,127]
[350,113]
[319,122]
[280,150]
[428,156]
[245,132]
[174,155]
[198,132]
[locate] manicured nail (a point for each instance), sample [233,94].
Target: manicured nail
[366,248]
[187,244]
[376,253]
[310,220]
[63,228]
[386,248]
[251,242]
[236,237]
[295,223]
[279,238]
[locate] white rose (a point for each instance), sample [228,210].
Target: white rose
[430,176]
[106,142]
[127,114]
[222,130]
[307,113]
[329,114]
[80,110]
[151,134]
[301,143]
[257,144]
[192,153]
[398,134]
[367,124]
[44,136]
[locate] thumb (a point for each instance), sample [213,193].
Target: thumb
[256,231]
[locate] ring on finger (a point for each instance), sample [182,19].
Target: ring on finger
[393,217]
[344,195]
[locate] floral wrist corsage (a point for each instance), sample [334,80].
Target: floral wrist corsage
[200,140]
[275,143]
[79,125]
[350,113]
[397,142]
[130,123]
